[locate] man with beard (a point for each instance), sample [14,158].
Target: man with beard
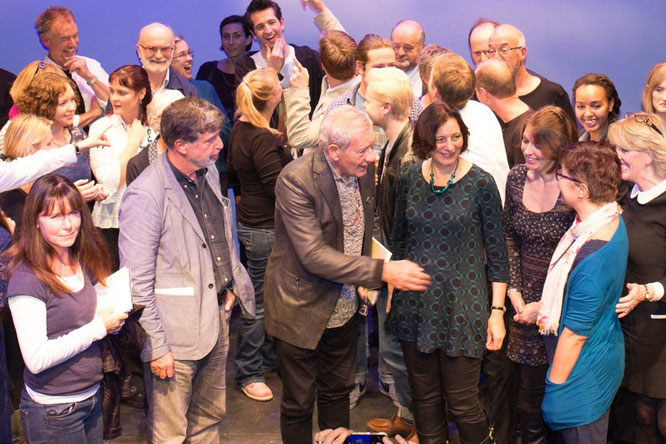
[155,49]
[176,237]
[60,36]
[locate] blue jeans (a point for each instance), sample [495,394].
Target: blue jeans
[254,353]
[74,422]
[391,355]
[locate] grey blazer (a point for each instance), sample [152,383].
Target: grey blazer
[163,245]
[307,266]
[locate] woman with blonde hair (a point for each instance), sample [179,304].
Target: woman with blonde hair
[256,157]
[654,92]
[640,142]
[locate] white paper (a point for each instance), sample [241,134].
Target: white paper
[117,292]
[379,251]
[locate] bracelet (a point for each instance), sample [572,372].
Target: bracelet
[77,150]
[92,81]
[498,308]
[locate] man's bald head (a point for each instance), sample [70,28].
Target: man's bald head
[408,38]
[496,78]
[478,38]
[508,43]
[155,47]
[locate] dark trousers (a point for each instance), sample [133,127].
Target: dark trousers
[594,433]
[534,429]
[325,374]
[434,378]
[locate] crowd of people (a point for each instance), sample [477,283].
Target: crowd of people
[521,299]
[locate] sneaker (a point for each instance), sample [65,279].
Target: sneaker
[389,391]
[258,391]
[355,395]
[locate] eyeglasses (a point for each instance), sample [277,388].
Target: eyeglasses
[504,51]
[184,54]
[644,119]
[560,176]
[152,50]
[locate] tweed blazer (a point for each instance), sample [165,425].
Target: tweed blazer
[307,267]
[162,244]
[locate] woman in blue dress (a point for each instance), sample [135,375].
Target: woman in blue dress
[448,216]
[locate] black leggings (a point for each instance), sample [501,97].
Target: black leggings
[650,419]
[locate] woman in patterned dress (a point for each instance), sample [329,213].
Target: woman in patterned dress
[535,218]
[449,213]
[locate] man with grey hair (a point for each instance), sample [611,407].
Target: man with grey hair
[155,49]
[496,89]
[177,240]
[59,34]
[508,43]
[408,38]
[323,233]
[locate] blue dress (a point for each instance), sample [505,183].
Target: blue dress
[447,235]
[592,291]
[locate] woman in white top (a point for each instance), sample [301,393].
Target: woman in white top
[57,258]
[130,94]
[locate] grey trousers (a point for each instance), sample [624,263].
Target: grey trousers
[190,406]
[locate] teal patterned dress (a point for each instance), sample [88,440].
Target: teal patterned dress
[447,234]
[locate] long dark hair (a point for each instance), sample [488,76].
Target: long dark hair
[32,250]
[135,78]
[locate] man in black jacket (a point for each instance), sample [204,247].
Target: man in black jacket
[267,25]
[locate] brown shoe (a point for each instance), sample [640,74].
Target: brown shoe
[391,426]
[413,438]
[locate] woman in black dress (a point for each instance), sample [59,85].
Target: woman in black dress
[641,146]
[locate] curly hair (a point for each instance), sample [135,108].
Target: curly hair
[608,87]
[41,96]
[434,116]
[597,166]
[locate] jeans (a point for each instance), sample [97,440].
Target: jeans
[255,353]
[74,422]
[190,405]
[391,354]
[325,374]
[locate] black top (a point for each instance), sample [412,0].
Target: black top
[208,211]
[6,102]
[255,158]
[512,131]
[136,165]
[224,83]
[548,93]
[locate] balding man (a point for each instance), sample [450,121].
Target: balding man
[478,38]
[495,88]
[508,44]
[408,38]
[155,50]
[60,36]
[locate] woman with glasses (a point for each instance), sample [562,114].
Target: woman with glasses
[127,132]
[256,157]
[641,146]
[654,92]
[535,218]
[584,282]
[448,215]
[596,104]
[54,265]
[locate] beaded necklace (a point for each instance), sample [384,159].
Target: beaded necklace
[440,190]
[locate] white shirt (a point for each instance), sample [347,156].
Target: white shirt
[287,68]
[486,144]
[87,92]
[105,165]
[27,169]
[415,79]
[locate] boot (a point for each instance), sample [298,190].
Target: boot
[533,429]
[474,433]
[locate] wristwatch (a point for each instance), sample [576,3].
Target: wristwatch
[494,307]
[77,150]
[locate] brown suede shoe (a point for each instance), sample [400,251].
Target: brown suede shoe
[391,426]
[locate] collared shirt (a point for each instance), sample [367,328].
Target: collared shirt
[648,195]
[86,90]
[287,68]
[415,79]
[208,210]
[353,220]
[164,83]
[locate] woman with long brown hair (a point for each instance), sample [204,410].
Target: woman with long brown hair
[54,265]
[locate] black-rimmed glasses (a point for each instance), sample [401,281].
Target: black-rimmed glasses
[643,119]
[560,176]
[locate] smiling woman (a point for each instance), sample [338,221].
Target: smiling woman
[597,105]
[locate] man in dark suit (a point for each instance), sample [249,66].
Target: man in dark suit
[323,228]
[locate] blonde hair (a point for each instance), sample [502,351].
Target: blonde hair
[634,134]
[253,93]
[25,131]
[391,85]
[656,75]
[28,73]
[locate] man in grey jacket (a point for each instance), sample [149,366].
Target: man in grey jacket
[176,238]
[323,233]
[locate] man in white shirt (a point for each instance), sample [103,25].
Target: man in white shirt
[408,38]
[60,36]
